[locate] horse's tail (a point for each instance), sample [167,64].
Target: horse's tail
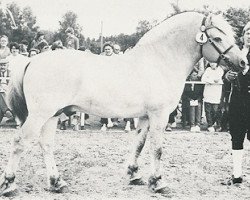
[15,96]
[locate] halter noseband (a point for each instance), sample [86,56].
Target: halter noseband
[222,56]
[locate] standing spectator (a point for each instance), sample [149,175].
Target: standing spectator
[226,90]
[72,42]
[57,45]
[43,46]
[4,49]
[239,111]
[24,48]
[15,50]
[40,38]
[129,121]
[117,49]
[171,120]
[33,52]
[4,75]
[194,94]
[108,50]
[212,94]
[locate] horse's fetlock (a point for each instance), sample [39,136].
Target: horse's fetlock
[132,169]
[153,180]
[53,180]
[10,177]
[158,153]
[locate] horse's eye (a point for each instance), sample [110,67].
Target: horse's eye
[217,39]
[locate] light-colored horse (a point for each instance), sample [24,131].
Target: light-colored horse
[147,82]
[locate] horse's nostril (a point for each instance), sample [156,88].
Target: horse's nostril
[242,63]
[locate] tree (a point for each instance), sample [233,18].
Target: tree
[237,17]
[143,27]
[25,21]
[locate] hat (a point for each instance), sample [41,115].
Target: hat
[4,61]
[39,34]
[246,28]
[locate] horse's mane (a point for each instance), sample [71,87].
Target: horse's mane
[216,21]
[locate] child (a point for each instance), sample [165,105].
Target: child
[212,93]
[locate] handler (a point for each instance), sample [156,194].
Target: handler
[239,110]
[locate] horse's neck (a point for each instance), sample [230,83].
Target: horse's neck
[173,42]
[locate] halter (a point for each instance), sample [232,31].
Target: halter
[222,56]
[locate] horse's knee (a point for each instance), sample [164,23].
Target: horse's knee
[18,146]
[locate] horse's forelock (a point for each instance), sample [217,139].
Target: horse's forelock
[220,22]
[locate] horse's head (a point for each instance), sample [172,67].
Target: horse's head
[218,43]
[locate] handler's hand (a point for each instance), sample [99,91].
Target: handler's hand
[230,75]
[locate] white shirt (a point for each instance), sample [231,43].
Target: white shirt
[213,88]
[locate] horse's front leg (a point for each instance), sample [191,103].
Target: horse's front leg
[141,135]
[157,125]
[55,182]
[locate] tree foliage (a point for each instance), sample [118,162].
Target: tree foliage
[25,21]
[238,18]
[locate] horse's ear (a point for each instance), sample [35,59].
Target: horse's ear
[209,20]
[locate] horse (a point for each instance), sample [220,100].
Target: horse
[147,82]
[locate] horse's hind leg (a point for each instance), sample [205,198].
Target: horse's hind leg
[23,141]
[55,182]
[141,131]
[157,123]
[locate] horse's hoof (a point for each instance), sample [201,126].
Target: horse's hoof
[58,185]
[63,189]
[156,185]
[136,180]
[10,190]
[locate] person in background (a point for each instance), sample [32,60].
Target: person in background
[194,93]
[43,47]
[129,121]
[108,50]
[15,53]
[72,42]
[4,49]
[117,49]
[24,48]
[171,120]
[33,52]
[57,45]
[4,81]
[212,94]
[226,90]
[14,49]
[40,38]
[239,111]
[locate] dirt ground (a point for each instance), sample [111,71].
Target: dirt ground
[94,166]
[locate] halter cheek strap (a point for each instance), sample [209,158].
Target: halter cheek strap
[221,54]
